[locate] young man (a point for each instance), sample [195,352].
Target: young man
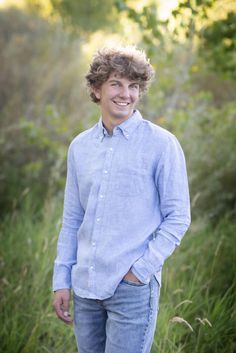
[126,208]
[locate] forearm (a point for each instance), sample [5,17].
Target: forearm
[165,240]
[73,214]
[66,258]
[173,194]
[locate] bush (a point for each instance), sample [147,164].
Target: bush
[212,161]
[208,136]
[44,104]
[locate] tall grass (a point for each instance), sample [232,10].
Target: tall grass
[28,242]
[197,307]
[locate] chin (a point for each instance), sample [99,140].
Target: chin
[122,114]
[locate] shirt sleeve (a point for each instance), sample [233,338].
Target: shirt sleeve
[73,214]
[172,186]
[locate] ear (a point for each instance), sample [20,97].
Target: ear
[97,93]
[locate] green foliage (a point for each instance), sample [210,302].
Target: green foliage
[190,17]
[29,243]
[40,111]
[86,16]
[151,27]
[44,104]
[213,162]
[206,127]
[40,92]
[218,45]
[197,311]
[146,18]
[198,7]
[209,136]
[217,39]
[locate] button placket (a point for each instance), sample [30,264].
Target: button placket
[100,205]
[105,176]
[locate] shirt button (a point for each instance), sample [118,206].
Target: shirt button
[111,149]
[105,171]
[98,219]
[93,243]
[91,267]
[101,196]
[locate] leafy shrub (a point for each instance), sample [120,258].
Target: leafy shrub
[43,104]
[208,135]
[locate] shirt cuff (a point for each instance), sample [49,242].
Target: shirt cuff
[139,269]
[61,278]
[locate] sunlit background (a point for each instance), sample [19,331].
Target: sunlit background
[45,50]
[165,7]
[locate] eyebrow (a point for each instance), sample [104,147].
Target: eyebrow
[131,82]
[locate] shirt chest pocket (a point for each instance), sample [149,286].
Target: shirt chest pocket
[123,184]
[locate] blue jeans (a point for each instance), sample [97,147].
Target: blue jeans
[123,323]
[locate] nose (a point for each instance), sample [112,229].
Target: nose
[124,92]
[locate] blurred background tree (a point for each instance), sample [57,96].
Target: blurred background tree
[101,14]
[40,95]
[44,53]
[44,101]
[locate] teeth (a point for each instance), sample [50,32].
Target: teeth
[122,103]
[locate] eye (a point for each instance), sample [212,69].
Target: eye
[135,86]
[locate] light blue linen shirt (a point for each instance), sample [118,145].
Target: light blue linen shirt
[126,207]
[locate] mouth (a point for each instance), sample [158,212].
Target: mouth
[121,104]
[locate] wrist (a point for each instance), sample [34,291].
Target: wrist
[131,277]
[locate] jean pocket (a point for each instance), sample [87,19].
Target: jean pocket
[131,283]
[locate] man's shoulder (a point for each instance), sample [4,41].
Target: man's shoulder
[156,132]
[83,137]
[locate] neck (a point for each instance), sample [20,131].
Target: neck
[110,123]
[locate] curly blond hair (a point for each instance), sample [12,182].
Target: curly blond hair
[126,61]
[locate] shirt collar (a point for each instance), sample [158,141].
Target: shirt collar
[102,132]
[127,127]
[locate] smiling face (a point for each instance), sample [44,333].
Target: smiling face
[118,97]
